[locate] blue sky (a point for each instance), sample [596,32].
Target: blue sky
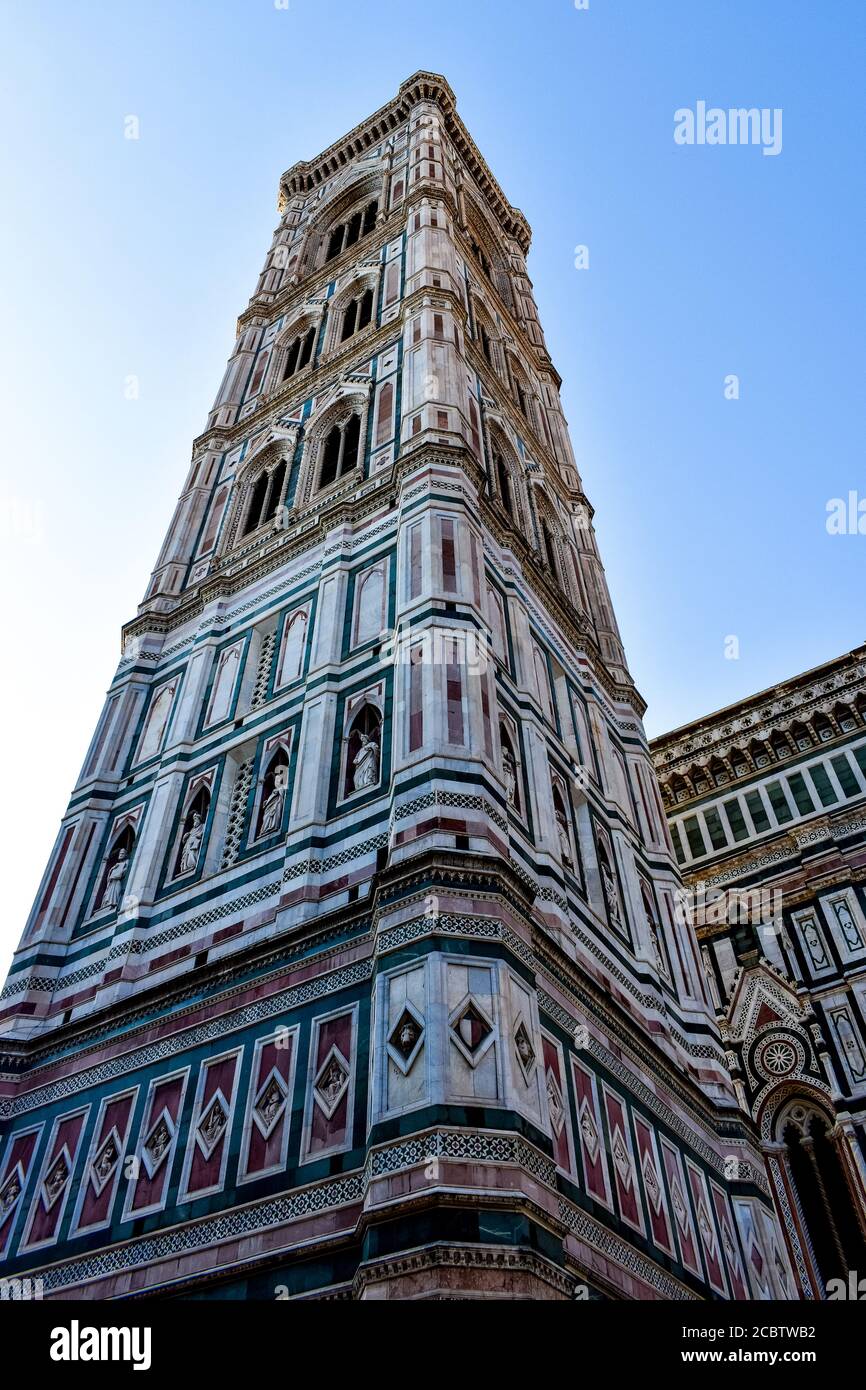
[124,258]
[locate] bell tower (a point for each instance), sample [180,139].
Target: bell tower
[363,915]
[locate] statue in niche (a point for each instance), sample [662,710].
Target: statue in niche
[509,772]
[114,880]
[366,762]
[848,925]
[660,960]
[564,838]
[272,810]
[191,845]
[611,894]
[813,942]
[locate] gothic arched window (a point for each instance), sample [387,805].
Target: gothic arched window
[345,234]
[364,750]
[300,352]
[356,315]
[266,497]
[481,258]
[340,452]
[817,1171]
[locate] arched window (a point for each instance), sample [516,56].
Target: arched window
[364,752]
[484,338]
[115,870]
[340,453]
[273,796]
[300,352]
[192,834]
[356,315]
[481,258]
[510,767]
[266,497]
[503,479]
[818,1176]
[257,502]
[345,234]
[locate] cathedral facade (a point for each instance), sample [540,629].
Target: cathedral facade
[357,969]
[767,808]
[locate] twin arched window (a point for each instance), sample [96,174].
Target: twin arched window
[481,258]
[345,234]
[299,353]
[267,495]
[340,452]
[356,315]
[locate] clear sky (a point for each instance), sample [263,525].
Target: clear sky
[122,258]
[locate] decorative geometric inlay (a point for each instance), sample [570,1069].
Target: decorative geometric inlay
[589,1131]
[270,1103]
[11,1190]
[621,1158]
[331,1082]
[555,1107]
[757,1260]
[103,1166]
[263,675]
[729,1246]
[524,1049]
[471,1030]
[651,1182]
[778,1058]
[211,1126]
[405,1039]
[681,1211]
[157,1144]
[56,1178]
[705,1226]
[237,813]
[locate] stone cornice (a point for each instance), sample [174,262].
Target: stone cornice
[307,175]
[759,714]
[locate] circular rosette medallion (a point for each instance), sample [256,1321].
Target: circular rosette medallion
[777,1057]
